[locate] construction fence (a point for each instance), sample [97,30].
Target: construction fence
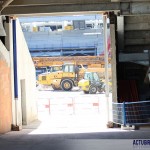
[131,113]
[68,105]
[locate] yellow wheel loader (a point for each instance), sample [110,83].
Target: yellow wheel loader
[44,78]
[91,83]
[64,79]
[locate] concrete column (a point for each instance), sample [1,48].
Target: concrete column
[106,56]
[106,65]
[5,88]
[9,46]
[113,57]
[120,32]
[16,104]
[26,82]
[8,34]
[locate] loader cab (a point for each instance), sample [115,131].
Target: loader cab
[91,83]
[73,68]
[55,68]
[71,71]
[68,68]
[92,76]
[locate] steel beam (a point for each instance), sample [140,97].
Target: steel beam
[133,57]
[144,63]
[46,9]
[126,7]
[136,42]
[137,19]
[138,58]
[54,2]
[129,0]
[135,8]
[5,4]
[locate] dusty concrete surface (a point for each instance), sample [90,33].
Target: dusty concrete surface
[67,131]
[25,140]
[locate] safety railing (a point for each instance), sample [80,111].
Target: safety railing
[131,113]
[118,113]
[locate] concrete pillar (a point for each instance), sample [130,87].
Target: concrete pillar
[13,111]
[113,56]
[9,46]
[8,37]
[5,92]
[106,65]
[106,56]
[120,32]
[5,89]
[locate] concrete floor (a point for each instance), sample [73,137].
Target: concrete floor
[112,138]
[72,131]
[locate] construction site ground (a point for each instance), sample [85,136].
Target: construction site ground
[71,121]
[72,112]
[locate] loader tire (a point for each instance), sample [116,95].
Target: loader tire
[86,92]
[66,85]
[93,89]
[55,87]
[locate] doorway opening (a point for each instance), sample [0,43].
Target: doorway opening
[69,41]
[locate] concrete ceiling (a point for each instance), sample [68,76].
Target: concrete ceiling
[28,7]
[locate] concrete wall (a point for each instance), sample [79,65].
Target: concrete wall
[134,37]
[22,110]
[26,103]
[5,91]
